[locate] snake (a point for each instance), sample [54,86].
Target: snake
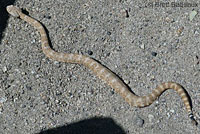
[103,72]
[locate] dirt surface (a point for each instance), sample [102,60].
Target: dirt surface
[144,43]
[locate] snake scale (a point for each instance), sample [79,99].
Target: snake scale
[102,72]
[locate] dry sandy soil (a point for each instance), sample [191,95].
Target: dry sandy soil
[144,43]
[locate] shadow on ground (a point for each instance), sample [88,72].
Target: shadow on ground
[4,15]
[89,126]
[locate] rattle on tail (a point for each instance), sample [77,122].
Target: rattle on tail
[102,72]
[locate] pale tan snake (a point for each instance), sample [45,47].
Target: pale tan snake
[102,72]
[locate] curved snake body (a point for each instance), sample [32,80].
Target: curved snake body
[102,72]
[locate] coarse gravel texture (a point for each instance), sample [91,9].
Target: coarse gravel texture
[144,45]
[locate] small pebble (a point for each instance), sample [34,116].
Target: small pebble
[37,76]
[57,101]
[127,14]
[142,46]
[112,92]
[47,16]
[127,82]
[28,87]
[56,62]
[89,52]
[179,31]
[168,115]
[106,54]
[1,110]
[5,69]
[167,19]
[108,33]
[163,100]
[196,32]
[172,111]
[139,121]
[156,102]
[58,93]
[153,53]
[2,100]
[23,73]
[118,48]
[32,72]
[192,15]
[33,41]
[151,117]
[22,105]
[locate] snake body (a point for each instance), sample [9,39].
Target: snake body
[102,72]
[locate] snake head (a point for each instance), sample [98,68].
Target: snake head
[13,10]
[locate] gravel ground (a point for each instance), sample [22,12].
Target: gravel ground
[142,44]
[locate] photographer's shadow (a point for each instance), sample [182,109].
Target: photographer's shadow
[89,126]
[4,15]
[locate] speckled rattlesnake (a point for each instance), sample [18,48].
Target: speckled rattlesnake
[102,72]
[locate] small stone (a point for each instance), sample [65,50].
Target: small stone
[179,31]
[5,69]
[192,15]
[58,93]
[15,100]
[168,115]
[167,19]
[118,48]
[22,105]
[32,72]
[1,110]
[23,73]
[106,54]
[57,63]
[142,46]
[139,121]
[108,33]
[70,95]
[89,52]
[127,82]
[33,41]
[48,17]
[153,53]
[196,73]
[37,76]
[151,117]
[57,101]
[196,32]
[177,40]
[163,100]
[28,87]
[172,110]
[2,100]
[112,92]
[125,13]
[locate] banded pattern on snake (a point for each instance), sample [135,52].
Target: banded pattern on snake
[102,72]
